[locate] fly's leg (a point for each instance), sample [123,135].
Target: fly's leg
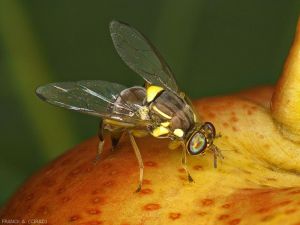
[184,165]
[219,135]
[139,158]
[101,141]
[217,153]
[115,138]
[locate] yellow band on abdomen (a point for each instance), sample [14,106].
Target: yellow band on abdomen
[161,113]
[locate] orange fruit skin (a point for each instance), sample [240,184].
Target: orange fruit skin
[257,182]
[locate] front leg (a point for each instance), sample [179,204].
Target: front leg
[184,165]
[217,154]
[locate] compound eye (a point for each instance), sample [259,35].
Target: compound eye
[210,128]
[197,144]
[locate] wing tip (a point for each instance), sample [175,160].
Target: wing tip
[114,24]
[39,93]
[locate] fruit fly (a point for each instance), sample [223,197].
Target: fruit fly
[158,108]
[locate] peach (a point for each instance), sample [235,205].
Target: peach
[257,182]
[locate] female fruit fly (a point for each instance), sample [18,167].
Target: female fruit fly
[159,108]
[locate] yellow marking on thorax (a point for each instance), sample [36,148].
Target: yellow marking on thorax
[118,123]
[161,113]
[152,91]
[178,132]
[159,131]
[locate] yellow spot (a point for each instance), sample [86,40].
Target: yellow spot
[152,91]
[139,133]
[162,113]
[165,124]
[158,131]
[178,132]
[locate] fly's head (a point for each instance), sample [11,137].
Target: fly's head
[201,138]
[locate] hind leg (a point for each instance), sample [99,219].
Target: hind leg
[140,160]
[101,141]
[115,138]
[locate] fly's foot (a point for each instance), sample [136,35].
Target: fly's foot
[97,158]
[190,179]
[138,188]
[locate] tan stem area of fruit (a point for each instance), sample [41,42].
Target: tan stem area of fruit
[286,99]
[259,138]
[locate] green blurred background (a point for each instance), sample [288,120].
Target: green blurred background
[213,46]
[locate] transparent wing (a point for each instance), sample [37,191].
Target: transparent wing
[96,98]
[141,56]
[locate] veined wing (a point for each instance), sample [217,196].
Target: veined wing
[95,98]
[141,56]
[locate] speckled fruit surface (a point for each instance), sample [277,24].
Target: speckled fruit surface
[257,182]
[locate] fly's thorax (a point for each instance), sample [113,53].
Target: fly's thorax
[171,115]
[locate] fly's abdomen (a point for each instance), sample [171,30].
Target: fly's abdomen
[132,96]
[129,102]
